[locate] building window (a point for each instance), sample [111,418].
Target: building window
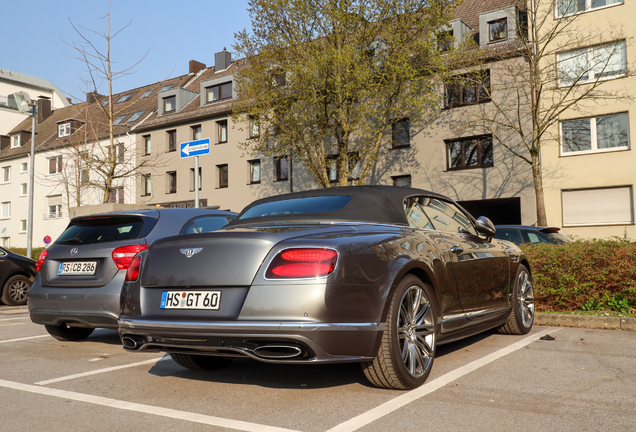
[6,210]
[567,7]
[147,184]
[595,134]
[498,30]
[592,64]
[15,141]
[135,116]
[55,211]
[401,133]
[255,171]
[63,130]
[445,41]
[166,87]
[219,92]
[254,128]
[222,129]
[281,167]
[116,196]
[468,89]
[119,153]
[125,97]
[55,165]
[6,174]
[192,179]
[146,94]
[147,144]
[279,78]
[6,242]
[84,177]
[23,189]
[354,167]
[473,152]
[24,167]
[172,140]
[402,180]
[223,175]
[171,182]
[23,226]
[196,132]
[600,206]
[119,119]
[169,104]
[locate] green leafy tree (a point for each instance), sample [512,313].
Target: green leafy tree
[326,80]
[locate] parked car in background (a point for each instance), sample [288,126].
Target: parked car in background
[79,277]
[16,277]
[379,275]
[520,234]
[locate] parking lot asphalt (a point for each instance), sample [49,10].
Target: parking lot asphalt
[582,380]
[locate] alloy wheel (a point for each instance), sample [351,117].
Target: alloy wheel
[416,331]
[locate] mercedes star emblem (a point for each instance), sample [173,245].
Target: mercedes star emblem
[73,251]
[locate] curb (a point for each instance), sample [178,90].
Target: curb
[13,310]
[584,321]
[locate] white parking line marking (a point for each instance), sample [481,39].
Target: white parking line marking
[12,319]
[142,408]
[22,339]
[99,371]
[405,399]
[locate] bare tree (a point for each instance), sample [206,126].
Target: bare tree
[555,67]
[115,160]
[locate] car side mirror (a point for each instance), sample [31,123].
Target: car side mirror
[485,226]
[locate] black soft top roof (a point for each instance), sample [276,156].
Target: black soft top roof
[374,204]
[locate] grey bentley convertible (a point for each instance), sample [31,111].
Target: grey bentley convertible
[378,275]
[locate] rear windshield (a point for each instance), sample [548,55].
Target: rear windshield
[101,230]
[319,204]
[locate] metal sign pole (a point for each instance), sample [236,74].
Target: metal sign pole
[31,175]
[196,182]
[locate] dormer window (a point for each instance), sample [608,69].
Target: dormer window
[169,104]
[498,30]
[445,41]
[63,130]
[219,92]
[15,141]
[124,98]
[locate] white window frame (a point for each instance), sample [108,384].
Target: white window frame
[58,164]
[24,167]
[593,137]
[6,174]
[63,130]
[24,186]
[588,7]
[5,207]
[15,141]
[589,54]
[23,226]
[588,207]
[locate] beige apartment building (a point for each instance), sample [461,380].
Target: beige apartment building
[589,174]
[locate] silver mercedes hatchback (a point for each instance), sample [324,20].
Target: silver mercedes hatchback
[79,277]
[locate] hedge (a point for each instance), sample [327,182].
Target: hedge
[35,252]
[587,275]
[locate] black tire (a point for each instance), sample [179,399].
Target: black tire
[199,362]
[15,290]
[521,315]
[63,332]
[407,350]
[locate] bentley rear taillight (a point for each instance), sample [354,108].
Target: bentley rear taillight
[123,255]
[132,274]
[302,263]
[40,261]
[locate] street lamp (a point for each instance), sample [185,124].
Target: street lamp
[25,105]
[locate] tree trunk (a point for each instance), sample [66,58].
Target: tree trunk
[538,191]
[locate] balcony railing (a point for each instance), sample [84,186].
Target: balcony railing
[53,215]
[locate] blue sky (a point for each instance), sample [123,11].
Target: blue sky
[33,35]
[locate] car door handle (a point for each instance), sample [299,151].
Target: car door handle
[457,249]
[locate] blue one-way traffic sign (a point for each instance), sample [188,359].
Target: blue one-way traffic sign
[195,148]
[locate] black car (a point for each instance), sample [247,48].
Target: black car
[520,234]
[16,276]
[379,275]
[79,277]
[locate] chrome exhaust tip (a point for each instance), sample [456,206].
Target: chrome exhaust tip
[278,351]
[131,342]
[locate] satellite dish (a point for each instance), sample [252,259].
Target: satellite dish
[22,100]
